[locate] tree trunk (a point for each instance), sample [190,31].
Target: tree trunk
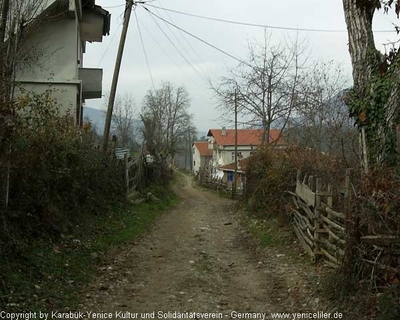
[375,99]
[361,42]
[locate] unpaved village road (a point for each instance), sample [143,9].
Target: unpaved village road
[196,258]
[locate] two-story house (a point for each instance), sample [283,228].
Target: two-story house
[222,144]
[201,156]
[56,48]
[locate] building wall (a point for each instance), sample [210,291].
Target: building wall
[66,95]
[54,52]
[199,161]
[196,160]
[225,155]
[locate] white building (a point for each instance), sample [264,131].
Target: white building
[56,49]
[222,144]
[201,156]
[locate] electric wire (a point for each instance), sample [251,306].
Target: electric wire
[108,47]
[171,42]
[121,5]
[259,25]
[114,6]
[184,49]
[144,50]
[196,37]
[196,54]
[162,49]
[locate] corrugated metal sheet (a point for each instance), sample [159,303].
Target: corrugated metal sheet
[120,153]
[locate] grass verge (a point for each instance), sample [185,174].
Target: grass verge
[268,232]
[48,275]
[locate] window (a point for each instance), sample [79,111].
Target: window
[194,163]
[239,154]
[230,176]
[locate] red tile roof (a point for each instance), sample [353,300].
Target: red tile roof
[245,137]
[202,146]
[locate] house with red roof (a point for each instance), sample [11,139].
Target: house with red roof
[201,156]
[222,144]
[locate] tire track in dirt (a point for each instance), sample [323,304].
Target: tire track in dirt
[194,259]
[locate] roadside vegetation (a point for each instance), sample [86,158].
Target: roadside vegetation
[65,208]
[50,275]
[330,126]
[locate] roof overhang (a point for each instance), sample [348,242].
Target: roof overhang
[95,24]
[90,6]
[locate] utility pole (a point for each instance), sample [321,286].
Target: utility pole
[236,155]
[190,151]
[128,11]
[4,15]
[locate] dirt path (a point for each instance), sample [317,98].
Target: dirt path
[196,259]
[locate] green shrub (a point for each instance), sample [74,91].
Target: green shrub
[271,172]
[56,174]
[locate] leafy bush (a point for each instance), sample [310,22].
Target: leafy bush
[56,174]
[271,172]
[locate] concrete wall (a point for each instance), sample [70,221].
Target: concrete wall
[196,160]
[56,48]
[54,54]
[65,94]
[223,156]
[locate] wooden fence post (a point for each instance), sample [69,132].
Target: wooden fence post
[310,182]
[347,183]
[398,141]
[329,203]
[317,219]
[126,174]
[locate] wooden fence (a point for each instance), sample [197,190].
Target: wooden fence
[319,228]
[206,179]
[135,172]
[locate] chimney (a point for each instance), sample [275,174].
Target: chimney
[223,132]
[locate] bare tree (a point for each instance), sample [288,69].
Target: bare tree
[374,100]
[123,120]
[166,120]
[19,20]
[323,121]
[266,84]
[16,25]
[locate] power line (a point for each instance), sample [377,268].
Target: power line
[184,49]
[170,41]
[108,47]
[161,47]
[199,39]
[258,25]
[184,37]
[144,50]
[121,5]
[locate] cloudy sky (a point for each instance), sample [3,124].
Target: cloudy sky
[176,57]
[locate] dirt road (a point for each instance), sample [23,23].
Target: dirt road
[196,258]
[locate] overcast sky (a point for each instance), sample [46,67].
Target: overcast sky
[167,64]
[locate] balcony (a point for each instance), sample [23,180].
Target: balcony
[91,82]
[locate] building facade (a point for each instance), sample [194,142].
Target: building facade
[201,156]
[222,144]
[56,49]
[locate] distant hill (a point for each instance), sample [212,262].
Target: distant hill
[98,119]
